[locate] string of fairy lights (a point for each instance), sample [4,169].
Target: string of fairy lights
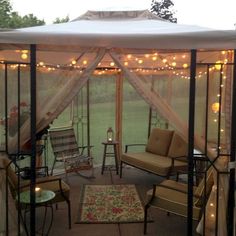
[151,63]
[145,64]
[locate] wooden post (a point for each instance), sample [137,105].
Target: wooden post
[119,108]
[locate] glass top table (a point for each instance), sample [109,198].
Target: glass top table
[42,199]
[45,196]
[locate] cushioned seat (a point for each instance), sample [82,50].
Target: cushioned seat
[175,203]
[150,162]
[172,196]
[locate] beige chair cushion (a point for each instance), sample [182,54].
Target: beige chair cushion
[156,164]
[178,147]
[159,141]
[171,200]
[200,189]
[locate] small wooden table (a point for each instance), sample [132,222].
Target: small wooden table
[110,154]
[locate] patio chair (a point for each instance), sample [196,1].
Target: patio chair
[67,151]
[171,196]
[55,184]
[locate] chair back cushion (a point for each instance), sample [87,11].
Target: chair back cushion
[159,141]
[178,146]
[6,164]
[203,189]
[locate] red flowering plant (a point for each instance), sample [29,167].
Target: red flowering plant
[12,119]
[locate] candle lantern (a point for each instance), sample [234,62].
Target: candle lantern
[110,135]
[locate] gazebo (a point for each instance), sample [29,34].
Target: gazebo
[185,74]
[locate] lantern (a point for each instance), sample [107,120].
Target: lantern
[110,135]
[215,107]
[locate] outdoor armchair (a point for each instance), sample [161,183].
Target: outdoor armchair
[55,184]
[171,196]
[67,151]
[165,153]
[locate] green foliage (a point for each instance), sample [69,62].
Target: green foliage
[163,8]
[5,12]
[61,20]
[16,21]
[12,20]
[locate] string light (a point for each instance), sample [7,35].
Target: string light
[218,66]
[215,107]
[173,63]
[24,56]
[164,60]
[73,62]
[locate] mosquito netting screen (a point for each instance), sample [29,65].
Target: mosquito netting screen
[120,86]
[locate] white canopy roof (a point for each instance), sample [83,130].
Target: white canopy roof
[130,29]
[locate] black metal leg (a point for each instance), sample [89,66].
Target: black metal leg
[53,165]
[145,218]
[24,220]
[104,158]
[41,228]
[121,164]
[44,221]
[69,214]
[116,158]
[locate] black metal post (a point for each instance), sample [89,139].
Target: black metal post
[6,108]
[207,105]
[191,140]
[88,118]
[149,121]
[231,201]
[18,105]
[33,136]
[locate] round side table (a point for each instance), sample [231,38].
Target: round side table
[42,200]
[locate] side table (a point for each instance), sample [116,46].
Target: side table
[44,200]
[114,154]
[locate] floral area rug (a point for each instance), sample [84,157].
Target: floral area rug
[110,204]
